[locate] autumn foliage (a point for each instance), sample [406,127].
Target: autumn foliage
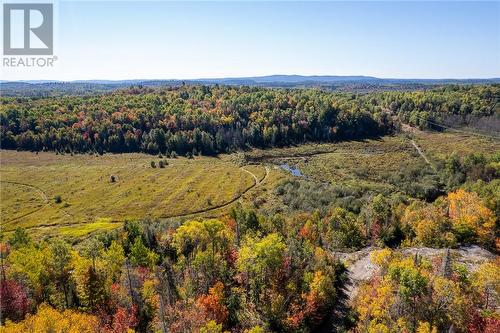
[247,272]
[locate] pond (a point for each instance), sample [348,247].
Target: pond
[293,170]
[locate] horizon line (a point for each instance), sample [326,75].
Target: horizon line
[257,77]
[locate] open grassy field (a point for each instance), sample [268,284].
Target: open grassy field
[90,200]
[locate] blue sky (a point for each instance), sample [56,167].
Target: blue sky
[162,40]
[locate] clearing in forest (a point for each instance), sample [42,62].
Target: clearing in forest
[77,195]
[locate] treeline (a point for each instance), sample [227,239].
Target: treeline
[450,105]
[214,119]
[184,119]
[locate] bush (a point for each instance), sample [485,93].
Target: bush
[57,199]
[153,164]
[344,231]
[304,196]
[113,179]
[161,164]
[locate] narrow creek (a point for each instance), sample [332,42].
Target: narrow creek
[293,170]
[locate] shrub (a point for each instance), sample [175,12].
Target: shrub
[153,164]
[113,179]
[57,199]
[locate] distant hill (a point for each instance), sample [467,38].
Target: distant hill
[326,79]
[331,82]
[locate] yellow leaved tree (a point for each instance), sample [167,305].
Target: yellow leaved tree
[48,319]
[471,220]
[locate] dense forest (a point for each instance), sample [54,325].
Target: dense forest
[213,119]
[246,272]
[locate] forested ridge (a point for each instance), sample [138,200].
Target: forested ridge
[214,119]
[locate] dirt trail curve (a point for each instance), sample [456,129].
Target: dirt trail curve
[37,189]
[257,181]
[42,194]
[253,175]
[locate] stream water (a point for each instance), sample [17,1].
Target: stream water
[293,170]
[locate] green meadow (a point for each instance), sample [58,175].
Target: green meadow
[81,193]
